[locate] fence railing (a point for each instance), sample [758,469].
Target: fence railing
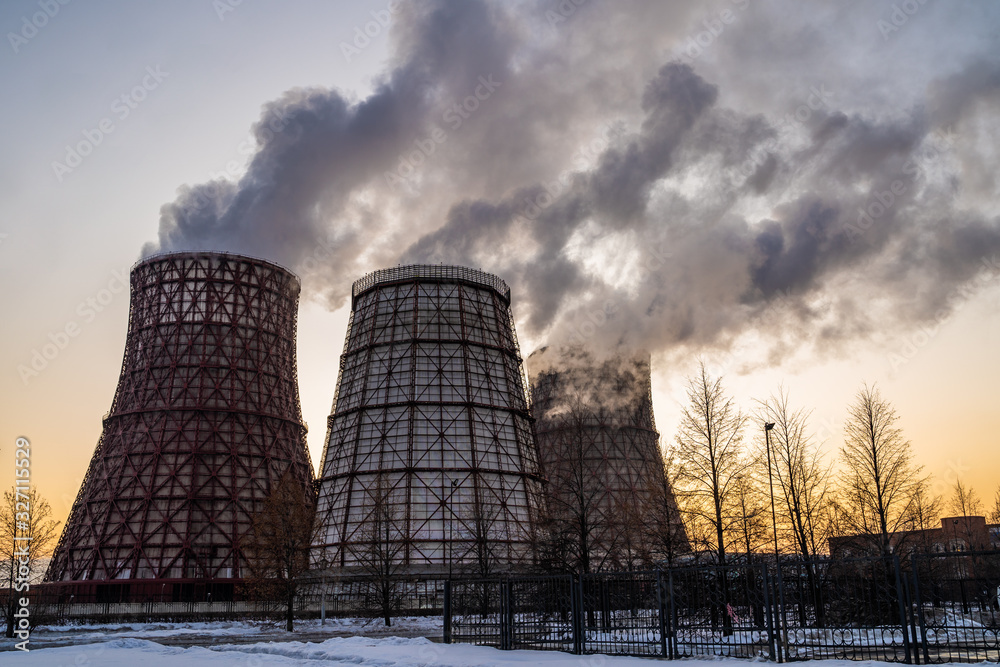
[50,605]
[924,609]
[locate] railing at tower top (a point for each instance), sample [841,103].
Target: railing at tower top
[430,272]
[210,255]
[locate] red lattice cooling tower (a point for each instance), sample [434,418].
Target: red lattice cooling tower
[205,420]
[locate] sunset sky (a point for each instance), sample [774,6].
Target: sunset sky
[801,193]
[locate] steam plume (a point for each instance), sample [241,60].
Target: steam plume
[638,188]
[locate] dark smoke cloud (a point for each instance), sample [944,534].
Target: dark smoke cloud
[799,177]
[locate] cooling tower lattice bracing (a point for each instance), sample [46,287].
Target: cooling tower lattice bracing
[204,422]
[599,449]
[431,416]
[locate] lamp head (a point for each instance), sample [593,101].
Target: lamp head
[768,426]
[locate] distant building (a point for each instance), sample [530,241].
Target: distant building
[956,534]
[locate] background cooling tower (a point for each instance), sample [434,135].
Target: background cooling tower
[431,417]
[205,420]
[599,449]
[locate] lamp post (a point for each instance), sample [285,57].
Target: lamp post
[770,486]
[774,528]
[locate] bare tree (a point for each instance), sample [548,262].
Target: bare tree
[488,553]
[927,509]
[801,475]
[578,535]
[995,512]
[925,516]
[664,534]
[750,517]
[277,546]
[879,480]
[380,550]
[28,533]
[708,449]
[966,504]
[627,523]
[965,501]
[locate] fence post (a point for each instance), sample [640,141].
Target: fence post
[920,610]
[910,619]
[447,611]
[780,621]
[902,612]
[769,616]
[507,615]
[576,588]
[661,613]
[673,627]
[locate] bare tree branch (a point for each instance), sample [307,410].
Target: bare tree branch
[277,546]
[27,515]
[708,449]
[880,482]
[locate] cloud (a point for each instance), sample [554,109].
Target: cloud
[801,179]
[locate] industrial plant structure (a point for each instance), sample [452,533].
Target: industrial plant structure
[204,423]
[430,459]
[599,451]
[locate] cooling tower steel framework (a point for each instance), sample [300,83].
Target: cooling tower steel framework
[204,421]
[598,445]
[431,415]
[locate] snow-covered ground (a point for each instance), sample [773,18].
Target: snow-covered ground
[188,634]
[428,625]
[341,641]
[356,651]
[362,651]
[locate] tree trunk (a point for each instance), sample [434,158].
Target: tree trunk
[290,613]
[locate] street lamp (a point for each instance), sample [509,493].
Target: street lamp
[770,485]
[774,526]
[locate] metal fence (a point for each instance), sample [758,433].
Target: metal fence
[924,609]
[50,605]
